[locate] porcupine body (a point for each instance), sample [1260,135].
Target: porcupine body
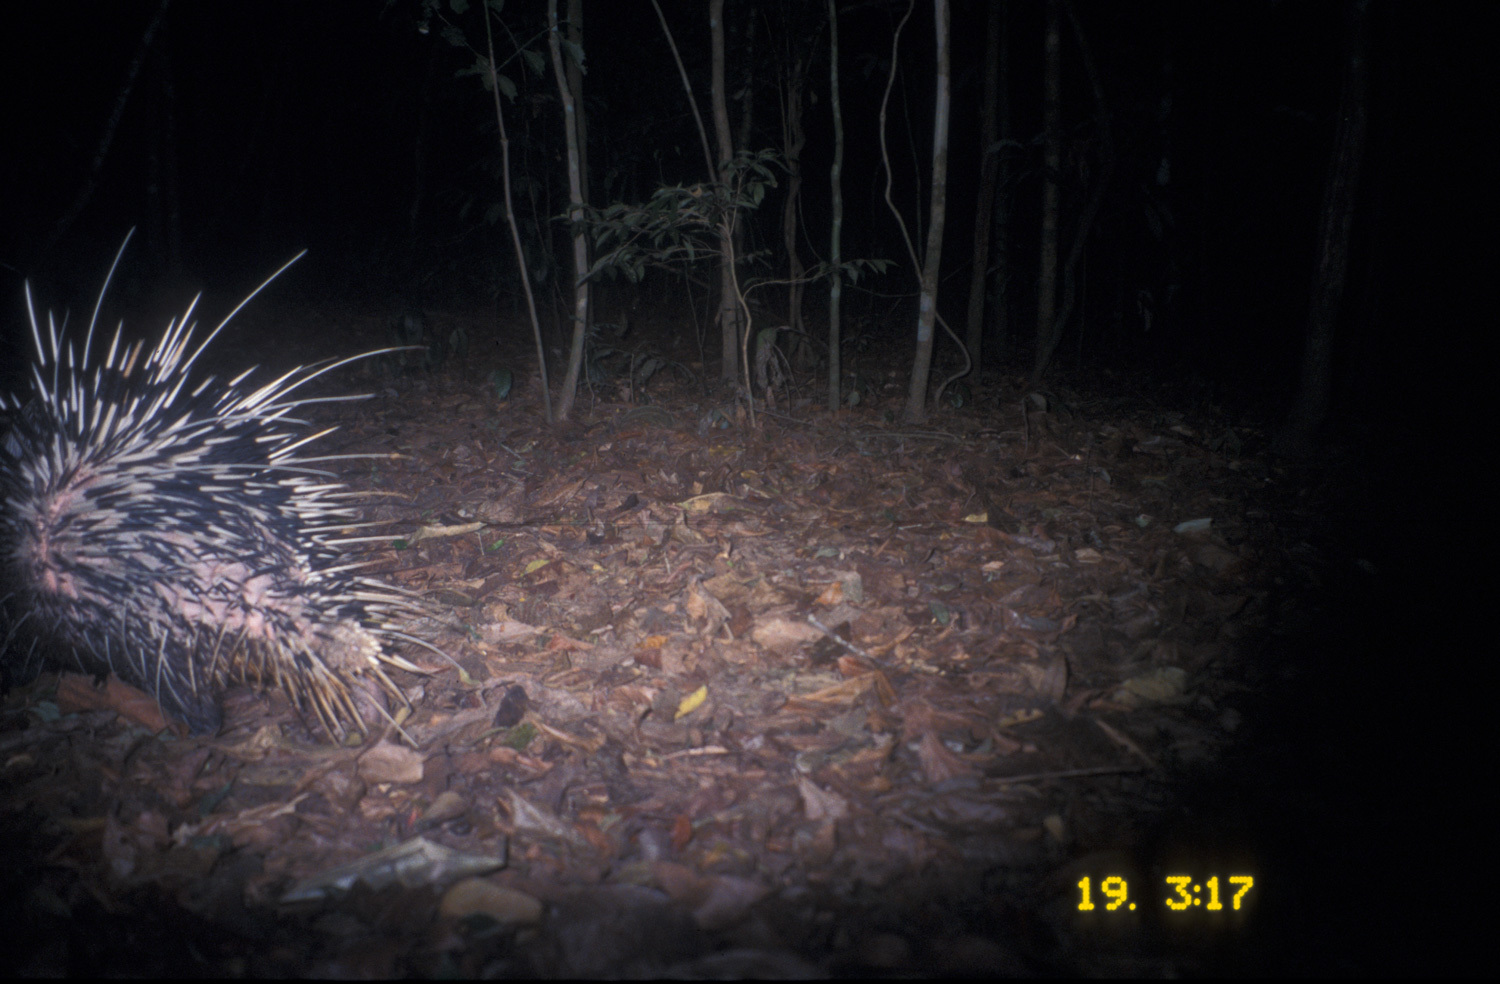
[164,528]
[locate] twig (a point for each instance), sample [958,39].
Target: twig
[813,621]
[1098,770]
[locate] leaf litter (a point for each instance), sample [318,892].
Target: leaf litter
[827,697]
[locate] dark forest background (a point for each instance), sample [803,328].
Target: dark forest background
[240,133]
[232,135]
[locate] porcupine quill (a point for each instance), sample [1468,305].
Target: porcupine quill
[165,530]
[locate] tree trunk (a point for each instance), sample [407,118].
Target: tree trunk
[745,55]
[575,217]
[575,86]
[836,234]
[510,220]
[999,283]
[916,398]
[1046,300]
[793,139]
[581,121]
[989,172]
[1103,172]
[729,302]
[107,137]
[1311,406]
[163,190]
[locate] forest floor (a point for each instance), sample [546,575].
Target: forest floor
[1033,687]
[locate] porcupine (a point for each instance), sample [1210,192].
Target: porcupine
[164,529]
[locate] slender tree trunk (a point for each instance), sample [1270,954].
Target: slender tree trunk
[916,398]
[107,137]
[836,234]
[793,139]
[710,171]
[163,191]
[745,54]
[1102,174]
[419,151]
[1046,301]
[1311,406]
[687,88]
[510,220]
[999,303]
[729,303]
[575,86]
[575,217]
[989,172]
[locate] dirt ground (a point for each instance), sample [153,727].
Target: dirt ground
[809,694]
